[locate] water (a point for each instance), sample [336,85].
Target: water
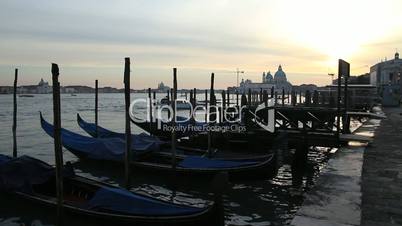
[265,202]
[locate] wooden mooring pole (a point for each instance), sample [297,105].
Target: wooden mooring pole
[127,158]
[237,98]
[15,114]
[194,97]
[228,97]
[338,105]
[283,97]
[206,105]
[58,152]
[223,106]
[168,98]
[174,119]
[150,110]
[212,112]
[96,109]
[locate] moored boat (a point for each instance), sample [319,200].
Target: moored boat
[241,167]
[30,179]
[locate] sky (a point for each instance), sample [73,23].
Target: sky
[89,39]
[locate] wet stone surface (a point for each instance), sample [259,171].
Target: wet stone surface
[336,198]
[382,174]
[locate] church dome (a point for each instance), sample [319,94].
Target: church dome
[269,77]
[280,75]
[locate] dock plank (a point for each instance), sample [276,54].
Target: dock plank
[355,138]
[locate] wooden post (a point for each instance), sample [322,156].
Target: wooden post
[307,98]
[276,98]
[249,98]
[237,98]
[57,142]
[272,92]
[191,96]
[127,159]
[168,97]
[150,110]
[300,97]
[243,101]
[212,101]
[228,98]
[206,105]
[294,98]
[338,105]
[223,106]
[15,114]
[154,104]
[283,97]
[195,97]
[261,97]
[265,98]
[212,116]
[315,98]
[174,118]
[346,121]
[192,103]
[96,109]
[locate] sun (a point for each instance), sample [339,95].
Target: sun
[335,29]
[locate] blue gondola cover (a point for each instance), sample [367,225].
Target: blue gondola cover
[123,201]
[99,148]
[199,162]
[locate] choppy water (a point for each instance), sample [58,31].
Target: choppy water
[265,202]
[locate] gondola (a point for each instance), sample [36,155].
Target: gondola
[112,148]
[101,132]
[161,161]
[30,179]
[158,127]
[253,139]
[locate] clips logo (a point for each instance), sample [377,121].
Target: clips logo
[270,125]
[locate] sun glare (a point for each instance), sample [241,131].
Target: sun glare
[337,29]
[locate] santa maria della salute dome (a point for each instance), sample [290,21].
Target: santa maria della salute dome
[278,82]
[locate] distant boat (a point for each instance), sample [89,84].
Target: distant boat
[26,95]
[73,95]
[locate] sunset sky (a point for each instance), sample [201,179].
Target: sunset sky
[89,39]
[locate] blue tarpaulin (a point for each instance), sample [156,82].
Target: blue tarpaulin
[98,148]
[19,174]
[123,201]
[90,128]
[198,162]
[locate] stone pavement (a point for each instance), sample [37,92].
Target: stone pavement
[382,174]
[336,198]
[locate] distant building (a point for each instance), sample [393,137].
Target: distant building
[42,88]
[386,76]
[6,89]
[386,72]
[162,87]
[278,82]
